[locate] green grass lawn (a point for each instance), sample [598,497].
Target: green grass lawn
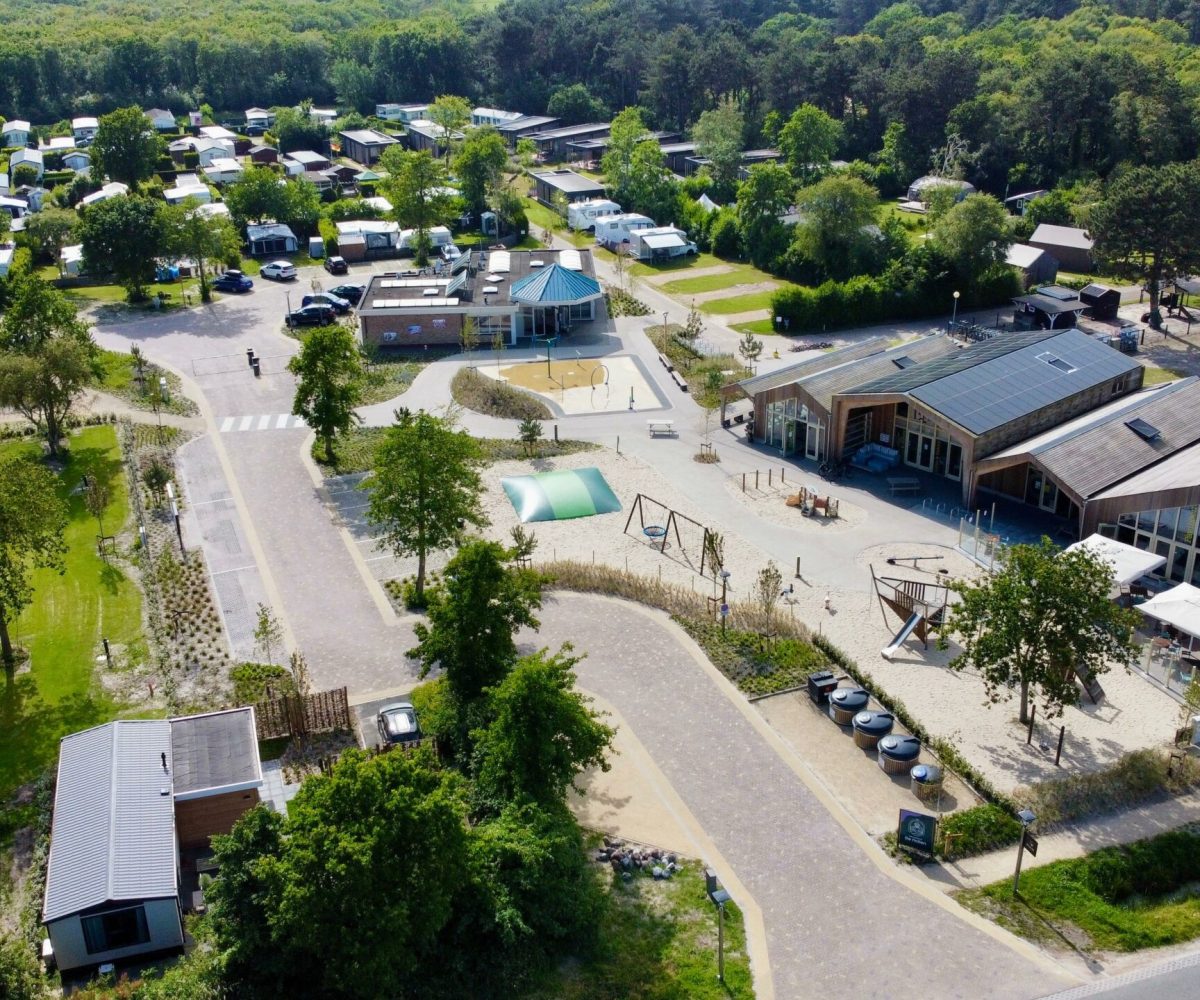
[737,304]
[658,941]
[1143,895]
[640,270]
[86,292]
[744,274]
[1156,376]
[758,327]
[70,614]
[118,380]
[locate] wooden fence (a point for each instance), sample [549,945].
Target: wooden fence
[299,715]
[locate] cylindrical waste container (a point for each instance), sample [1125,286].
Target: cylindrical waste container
[846,703]
[926,782]
[897,754]
[871,727]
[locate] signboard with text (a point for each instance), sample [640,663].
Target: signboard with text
[916,832]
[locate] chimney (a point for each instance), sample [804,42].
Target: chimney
[164,761]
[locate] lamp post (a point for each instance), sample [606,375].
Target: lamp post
[664,322]
[1027,818]
[954,315]
[725,574]
[719,898]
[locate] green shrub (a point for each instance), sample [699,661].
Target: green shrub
[976,831]
[494,398]
[756,664]
[251,680]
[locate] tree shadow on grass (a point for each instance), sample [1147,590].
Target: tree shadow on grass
[31,728]
[111,578]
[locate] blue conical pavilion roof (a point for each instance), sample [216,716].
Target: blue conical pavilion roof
[554,285]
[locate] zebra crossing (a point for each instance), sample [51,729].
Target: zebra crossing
[263,422]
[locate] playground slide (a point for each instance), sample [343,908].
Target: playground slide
[905,631]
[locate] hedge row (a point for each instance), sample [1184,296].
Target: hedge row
[866,301]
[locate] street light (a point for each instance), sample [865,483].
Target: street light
[1027,818]
[719,898]
[725,574]
[954,315]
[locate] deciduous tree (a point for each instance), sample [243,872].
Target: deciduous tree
[33,518]
[425,487]
[329,373]
[762,198]
[480,160]
[206,239]
[415,186]
[49,231]
[833,232]
[1031,622]
[574,104]
[808,142]
[541,734]
[124,237]
[452,113]
[975,234]
[126,148]
[473,619]
[718,137]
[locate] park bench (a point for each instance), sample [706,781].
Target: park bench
[661,428]
[903,484]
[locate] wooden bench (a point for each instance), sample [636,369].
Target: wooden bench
[679,380]
[903,484]
[661,428]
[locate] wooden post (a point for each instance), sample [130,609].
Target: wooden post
[1032,716]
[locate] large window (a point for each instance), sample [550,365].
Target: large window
[115,929]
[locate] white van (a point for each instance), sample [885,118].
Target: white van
[613,230]
[583,214]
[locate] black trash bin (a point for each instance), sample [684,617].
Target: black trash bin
[821,685]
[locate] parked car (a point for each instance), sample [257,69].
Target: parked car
[334,302]
[351,293]
[232,281]
[398,723]
[336,265]
[316,314]
[279,270]
[450,252]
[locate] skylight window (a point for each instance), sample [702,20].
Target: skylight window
[1146,431]
[1056,362]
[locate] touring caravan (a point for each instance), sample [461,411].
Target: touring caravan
[583,214]
[613,230]
[439,236]
[660,243]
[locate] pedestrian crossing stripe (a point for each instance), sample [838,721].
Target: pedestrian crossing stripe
[262,422]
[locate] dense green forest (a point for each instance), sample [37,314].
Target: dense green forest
[1039,90]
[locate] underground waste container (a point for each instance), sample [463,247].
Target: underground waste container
[871,727]
[926,782]
[846,703]
[897,754]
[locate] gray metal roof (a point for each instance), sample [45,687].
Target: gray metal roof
[113,835]
[1180,471]
[1061,236]
[1050,305]
[568,181]
[802,370]
[1108,451]
[1009,386]
[214,751]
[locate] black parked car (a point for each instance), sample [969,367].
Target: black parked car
[397,723]
[336,265]
[351,293]
[232,281]
[316,314]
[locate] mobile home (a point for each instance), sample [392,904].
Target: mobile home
[583,214]
[613,230]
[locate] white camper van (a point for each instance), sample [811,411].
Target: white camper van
[613,230]
[660,243]
[583,214]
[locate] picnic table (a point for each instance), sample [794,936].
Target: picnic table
[661,428]
[903,484]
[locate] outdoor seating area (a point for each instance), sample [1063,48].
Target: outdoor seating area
[812,504]
[1171,653]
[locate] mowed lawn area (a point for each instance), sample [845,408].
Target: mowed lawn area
[738,274]
[69,616]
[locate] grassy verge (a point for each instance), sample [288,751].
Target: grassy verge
[355,452]
[657,939]
[1142,895]
[541,218]
[758,327]
[69,616]
[739,274]
[640,270]
[494,398]
[85,291]
[119,379]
